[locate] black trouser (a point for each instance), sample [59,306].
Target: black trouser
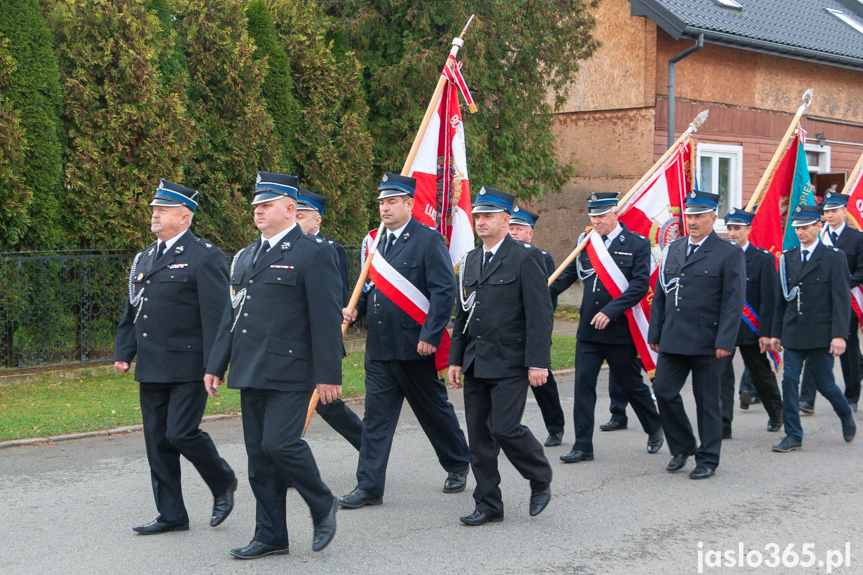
[548,399]
[493,411]
[671,372]
[388,384]
[762,378]
[341,418]
[850,362]
[278,457]
[618,403]
[172,413]
[624,365]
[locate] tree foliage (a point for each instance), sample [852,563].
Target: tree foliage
[233,136]
[14,193]
[333,152]
[516,52]
[125,129]
[33,96]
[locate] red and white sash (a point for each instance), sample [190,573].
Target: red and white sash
[406,296]
[616,283]
[856,292]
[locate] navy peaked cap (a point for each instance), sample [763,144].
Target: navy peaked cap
[738,217]
[269,187]
[172,195]
[307,200]
[489,200]
[396,185]
[523,217]
[601,203]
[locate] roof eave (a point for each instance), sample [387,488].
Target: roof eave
[663,18]
[775,48]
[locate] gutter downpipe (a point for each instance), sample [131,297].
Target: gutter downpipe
[671,85]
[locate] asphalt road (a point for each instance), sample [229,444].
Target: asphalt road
[69,508]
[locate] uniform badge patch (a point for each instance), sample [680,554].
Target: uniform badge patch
[286,245]
[179,249]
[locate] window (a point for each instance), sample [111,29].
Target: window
[817,158]
[847,19]
[720,171]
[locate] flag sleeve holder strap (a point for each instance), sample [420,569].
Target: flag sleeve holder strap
[693,127]
[765,178]
[457,44]
[750,318]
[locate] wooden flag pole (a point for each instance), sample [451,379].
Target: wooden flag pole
[807,100]
[693,127]
[457,44]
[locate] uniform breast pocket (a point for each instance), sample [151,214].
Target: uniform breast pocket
[623,260]
[288,360]
[707,271]
[237,278]
[278,282]
[754,277]
[404,263]
[174,276]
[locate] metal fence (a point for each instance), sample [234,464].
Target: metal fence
[59,308]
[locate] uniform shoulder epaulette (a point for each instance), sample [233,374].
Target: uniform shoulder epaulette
[330,242]
[729,242]
[526,245]
[762,250]
[788,250]
[544,252]
[314,239]
[204,243]
[683,239]
[636,234]
[835,249]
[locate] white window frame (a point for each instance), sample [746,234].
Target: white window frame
[823,158]
[735,192]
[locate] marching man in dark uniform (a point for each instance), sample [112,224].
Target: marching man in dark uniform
[756,326]
[604,333]
[282,336]
[849,241]
[178,289]
[400,353]
[501,340]
[310,209]
[521,227]
[694,320]
[812,323]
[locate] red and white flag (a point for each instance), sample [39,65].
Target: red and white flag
[855,202]
[442,198]
[656,212]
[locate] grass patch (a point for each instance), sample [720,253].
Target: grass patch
[93,403]
[567,312]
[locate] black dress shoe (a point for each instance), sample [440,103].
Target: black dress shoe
[701,472]
[325,528]
[480,518]
[787,444]
[612,425]
[554,439]
[539,500]
[223,505]
[455,482]
[359,498]
[256,549]
[576,455]
[745,400]
[726,435]
[655,441]
[678,462]
[157,526]
[806,408]
[774,425]
[849,429]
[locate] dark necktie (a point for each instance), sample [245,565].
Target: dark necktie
[265,245]
[604,239]
[805,256]
[391,240]
[692,249]
[487,259]
[835,237]
[160,251]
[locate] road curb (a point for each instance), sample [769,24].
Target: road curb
[131,428]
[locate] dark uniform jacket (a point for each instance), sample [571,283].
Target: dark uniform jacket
[851,244]
[344,266]
[421,256]
[824,299]
[510,330]
[185,294]
[287,334]
[631,253]
[703,313]
[550,267]
[762,285]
